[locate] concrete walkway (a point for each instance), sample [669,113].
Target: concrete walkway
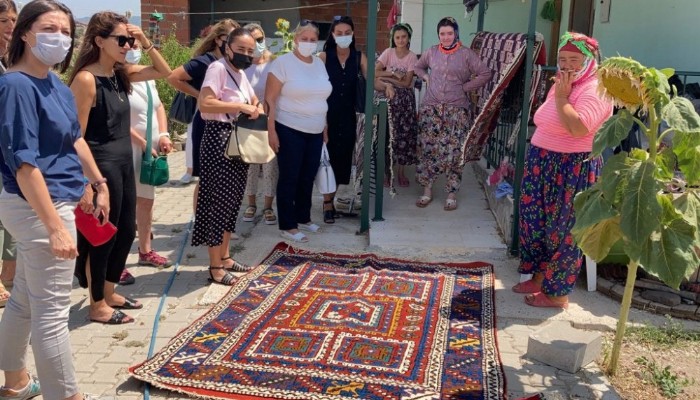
[103,353]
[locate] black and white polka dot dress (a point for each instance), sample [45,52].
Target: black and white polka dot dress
[221,186]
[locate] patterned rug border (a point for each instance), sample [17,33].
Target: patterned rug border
[203,393]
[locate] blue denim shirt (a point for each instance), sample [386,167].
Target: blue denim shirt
[39,126]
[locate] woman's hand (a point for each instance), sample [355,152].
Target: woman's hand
[253,111]
[102,204]
[62,244]
[165,145]
[274,140]
[389,91]
[562,84]
[85,202]
[325,134]
[136,32]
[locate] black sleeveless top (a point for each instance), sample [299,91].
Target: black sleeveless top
[109,123]
[344,81]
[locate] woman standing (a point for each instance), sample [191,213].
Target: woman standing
[8,17]
[225,94]
[445,113]
[257,75]
[342,64]
[43,160]
[295,95]
[558,166]
[394,77]
[101,83]
[188,79]
[160,143]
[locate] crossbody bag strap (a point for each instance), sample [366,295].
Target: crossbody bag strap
[149,122]
[359,63]
[239,89]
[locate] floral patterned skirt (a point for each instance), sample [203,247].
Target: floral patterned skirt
[404,127]
[550,182]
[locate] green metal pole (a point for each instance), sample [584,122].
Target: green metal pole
[522,135]
[371,49]
[482,12]
[381,145]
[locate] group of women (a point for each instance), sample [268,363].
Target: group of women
[81,147]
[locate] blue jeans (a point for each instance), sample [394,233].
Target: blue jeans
[298,158]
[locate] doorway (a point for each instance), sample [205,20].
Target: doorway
[581,16]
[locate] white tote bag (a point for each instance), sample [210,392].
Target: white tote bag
[325,178]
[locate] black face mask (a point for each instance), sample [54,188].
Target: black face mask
[241,61]
[222,48]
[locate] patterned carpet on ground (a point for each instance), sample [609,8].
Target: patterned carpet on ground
[308,325]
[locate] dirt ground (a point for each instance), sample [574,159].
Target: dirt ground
[631,381]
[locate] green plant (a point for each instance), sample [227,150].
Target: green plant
[670,384]
[285,35]
[628,203]
[672,333]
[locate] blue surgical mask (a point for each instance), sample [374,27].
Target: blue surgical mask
[343,41]
[51,48]
[133,56]
[259,49]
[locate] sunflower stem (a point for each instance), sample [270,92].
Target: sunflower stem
[664,133]
[653,133]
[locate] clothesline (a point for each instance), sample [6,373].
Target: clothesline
[182,13]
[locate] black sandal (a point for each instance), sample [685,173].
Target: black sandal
[236,267]
[329,215]
[117,318]
[129,304]
[228,279]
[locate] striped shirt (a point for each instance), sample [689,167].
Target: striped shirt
[592,109]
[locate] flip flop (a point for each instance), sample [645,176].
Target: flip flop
[423,201]
[542,300]
[527,287]
[117,318]
[310,227]
[450,204]
[296,237]
[129,304]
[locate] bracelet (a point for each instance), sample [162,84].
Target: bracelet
[164,134]
[149,48]
[98,182]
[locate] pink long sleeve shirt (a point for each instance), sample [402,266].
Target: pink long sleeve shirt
[452,76]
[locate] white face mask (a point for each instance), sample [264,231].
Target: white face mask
[259,50]
[51,48]
[343,41]
[306,49]
[133,56]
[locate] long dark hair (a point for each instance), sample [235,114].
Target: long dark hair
[330,42]
[29,14]
[221,28]
[102,25]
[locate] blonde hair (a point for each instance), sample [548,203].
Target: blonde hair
[301,28]
[221,28]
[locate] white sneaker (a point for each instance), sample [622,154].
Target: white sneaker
[186,179]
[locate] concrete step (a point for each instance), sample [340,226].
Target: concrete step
[560,345]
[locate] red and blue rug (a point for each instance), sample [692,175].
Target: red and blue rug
[328,326]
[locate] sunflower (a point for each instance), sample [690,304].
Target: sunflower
[629,84]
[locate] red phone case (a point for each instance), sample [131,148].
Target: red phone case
[89,226]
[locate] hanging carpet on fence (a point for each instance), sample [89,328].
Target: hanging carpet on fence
[504,54]
[308,325]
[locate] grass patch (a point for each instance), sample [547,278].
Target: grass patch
[672,333]
[669,383]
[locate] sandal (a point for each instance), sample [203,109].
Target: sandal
[328,215]
[117,318]
[249,214]
[294,237]
[32,390]
[527,287]
[236,266]
[450,204]
[310,227]
[542,300]
[228,279]
[269,216]
[129,304]
[423,201]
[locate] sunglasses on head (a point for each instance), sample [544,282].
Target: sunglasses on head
[122,40]
[305,22]
[261,39]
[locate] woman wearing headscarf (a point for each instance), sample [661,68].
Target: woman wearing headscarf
[394,79]
[445,115]
[556,169]
[342,64]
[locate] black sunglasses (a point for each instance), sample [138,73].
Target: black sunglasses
[305,22]
[122,40]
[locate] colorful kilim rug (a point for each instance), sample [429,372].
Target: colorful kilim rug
[327,326]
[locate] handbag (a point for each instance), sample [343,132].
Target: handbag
[248,141]
[325,178]
[154,170]
[361,89]
[182,108]
[89,226]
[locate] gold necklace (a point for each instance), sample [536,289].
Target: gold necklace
[115,85]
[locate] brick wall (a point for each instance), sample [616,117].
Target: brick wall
[358,13]
[171,23]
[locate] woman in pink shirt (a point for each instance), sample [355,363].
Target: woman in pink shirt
[225,94]
[445,114]
[558,167]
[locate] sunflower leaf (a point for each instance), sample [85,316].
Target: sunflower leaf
[596,240]
[680,115]
[666,163]
[612,132]
[641,211]
[669,254]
